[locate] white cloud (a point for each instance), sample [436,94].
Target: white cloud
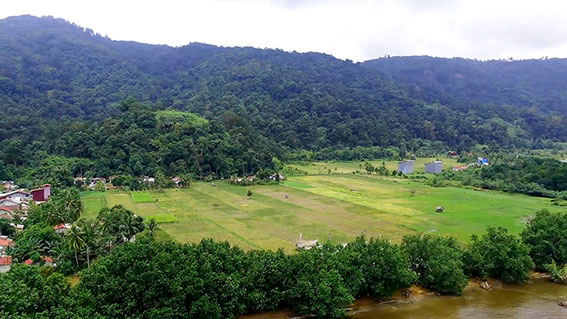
[354,29]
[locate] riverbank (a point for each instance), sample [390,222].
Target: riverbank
[537,298]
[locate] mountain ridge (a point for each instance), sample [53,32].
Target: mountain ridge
[53,71]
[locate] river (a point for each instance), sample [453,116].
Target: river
[538,298]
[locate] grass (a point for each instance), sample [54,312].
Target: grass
[322,168]
[343,206]
[163,218]
[142,197]
[93,202]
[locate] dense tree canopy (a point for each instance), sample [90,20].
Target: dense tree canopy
[58,80]
[437,262]
[546,237]
[498,254]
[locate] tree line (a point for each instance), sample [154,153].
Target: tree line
[147,278]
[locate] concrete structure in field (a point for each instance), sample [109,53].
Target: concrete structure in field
[406,167]
[435,167]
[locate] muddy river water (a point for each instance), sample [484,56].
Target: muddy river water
[538,298]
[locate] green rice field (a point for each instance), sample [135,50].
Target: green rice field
[341,206]
[321,168]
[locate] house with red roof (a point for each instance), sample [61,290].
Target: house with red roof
[48,261]
[5,242]
[62,228]
[5,263]
[5,214]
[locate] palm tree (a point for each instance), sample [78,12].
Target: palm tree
[75,241]
[152,227]
[89,235]
[52,214]
[132,225]
[72,205]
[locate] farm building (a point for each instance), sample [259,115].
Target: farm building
[41,194]
[5,263]
[406,167]
[435,167]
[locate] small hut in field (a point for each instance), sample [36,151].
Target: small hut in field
[305,244]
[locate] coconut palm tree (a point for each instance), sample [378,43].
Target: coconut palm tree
[75,241]
[132,225]
[152,227]
[71,205]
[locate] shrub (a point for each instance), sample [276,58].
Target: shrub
[558,273]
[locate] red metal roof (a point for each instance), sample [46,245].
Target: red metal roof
[5,261]
[5,242]
[47,259]
[6,216]
[28,262]
[62,226]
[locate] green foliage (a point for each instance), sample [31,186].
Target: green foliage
[546,237]
[6,229]
[226,111]
[100,187]
[519,173]
[36,239]
[27,293]
[119,223]
[437,262]
[163,218]
[498,254]
[167,118]
[376,268]
[558,273]
[64,206]
[322,293]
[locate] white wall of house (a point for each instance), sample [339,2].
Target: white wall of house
[5,268]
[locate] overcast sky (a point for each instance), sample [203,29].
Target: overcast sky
[348,29]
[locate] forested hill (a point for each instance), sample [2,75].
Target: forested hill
[539,83]
[53,73]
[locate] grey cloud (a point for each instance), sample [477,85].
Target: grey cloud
[497,34]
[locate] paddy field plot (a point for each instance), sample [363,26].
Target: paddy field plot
[342,206]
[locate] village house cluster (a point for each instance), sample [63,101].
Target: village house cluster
[14,205]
